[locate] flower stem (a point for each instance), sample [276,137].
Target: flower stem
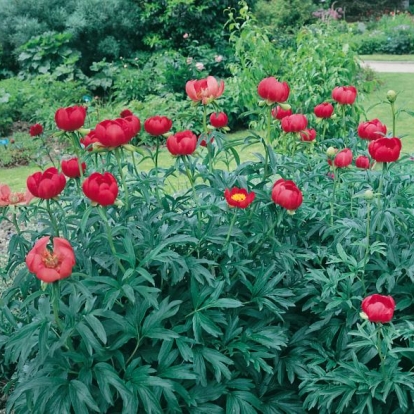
[121,172]
[267,141]
[52,218]
[336,173]
[393,118]
[379,349]
[15,223]
[55,304]
[368,234]
[102,213]
[191,179]
[233,220]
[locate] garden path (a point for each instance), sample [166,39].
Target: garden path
[390,67]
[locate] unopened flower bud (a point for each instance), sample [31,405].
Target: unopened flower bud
[285,106]
[331,151]
[391,96]
[368,195]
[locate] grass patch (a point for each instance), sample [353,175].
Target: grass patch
[376,107]
[388,58]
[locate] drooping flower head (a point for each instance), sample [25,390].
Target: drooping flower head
[204,90]
[280,113]
[88,140]
[239,197]
[50,266]
[308,134]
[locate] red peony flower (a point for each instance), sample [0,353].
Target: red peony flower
[88,140]
[50,266]
[324,110]
[113,133]
[379,308]
[286,194]
[308,135]
[36,130]
[204,90]
[239,197]
[372,130]
[101,188]
[362,162]
[272,90]
[279,113]
[182,143]
[134,123]
[219,119]
[157,125]
[294,123]
[125,113]
[343,158]
[344,95]
[47,184]
[385,149]
[71,118]
[71,168]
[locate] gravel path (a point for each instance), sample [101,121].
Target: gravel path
[390,67]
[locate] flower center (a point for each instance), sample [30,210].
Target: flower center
[238,197]
[50,260]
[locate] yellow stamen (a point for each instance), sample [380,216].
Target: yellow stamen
[50,260]
[238,197]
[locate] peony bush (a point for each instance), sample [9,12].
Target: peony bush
[282,284]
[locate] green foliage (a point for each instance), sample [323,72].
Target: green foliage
[284,14]
[35,99]
[48,54]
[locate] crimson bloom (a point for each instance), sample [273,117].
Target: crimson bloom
[343,158]
[182,143]
[379,308]
[280,113]
[71,168]
[294,123]
[239,197]
[204,90]
[71,118]
[36,130]
[286,194]
[126,112]
[362,162]
[101,188]
[88,140]
[157,125]
[323,110]
[219,120]
[308,134]
[372,130]
[47,184]
[50,266]
[385,149]
[344,95]
[272,90]
[134,123]
[7,197]
[113,133]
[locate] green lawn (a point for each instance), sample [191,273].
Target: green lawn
[389,58]
[400,82]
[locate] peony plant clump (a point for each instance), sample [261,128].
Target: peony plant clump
[214,285]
